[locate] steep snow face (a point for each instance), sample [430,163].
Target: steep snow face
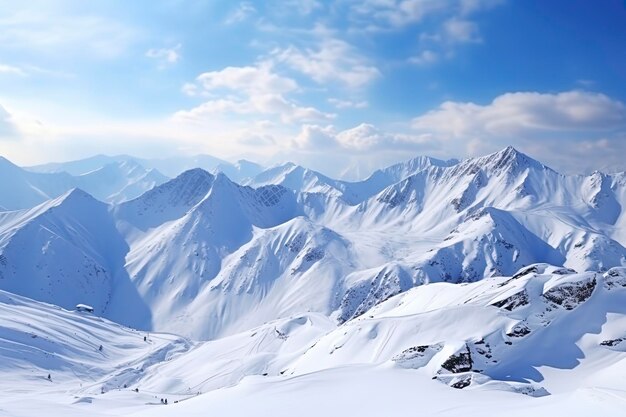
[64,251]
[204,254]
[166,202]
[238,253]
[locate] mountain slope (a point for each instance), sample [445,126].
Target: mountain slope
[65,251]
[204,254]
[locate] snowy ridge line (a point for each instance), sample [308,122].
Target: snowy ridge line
[212,257]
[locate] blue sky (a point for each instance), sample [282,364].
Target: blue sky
[341,86]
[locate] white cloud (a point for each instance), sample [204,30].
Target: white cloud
[250,80]
[165,56]
[396,13]
[518,113]
[243,11]
[314,137]
[12,70]
[45,30]
[461,31]
[425,57]
[348,104]
[304,7]
[251,90]
[332,60]
[262,104]
[363,139]
[574,131]
[443,25]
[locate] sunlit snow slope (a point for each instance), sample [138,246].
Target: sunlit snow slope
[205,256]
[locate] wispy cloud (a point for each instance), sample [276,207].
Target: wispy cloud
[46,34]
[425,57]
[165,56]
[11,70]
[331,60]
[348,104]
[243,11]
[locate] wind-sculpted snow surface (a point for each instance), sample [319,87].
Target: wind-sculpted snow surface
[561,348]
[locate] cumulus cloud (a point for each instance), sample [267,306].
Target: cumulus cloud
[249,79]
[363,138]
[518,113]
[250,90]
[573,131]
[333,60]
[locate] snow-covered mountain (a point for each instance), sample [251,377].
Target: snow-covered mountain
[495,274]
[303,180]
[113,182]
[206,255]
[170,166]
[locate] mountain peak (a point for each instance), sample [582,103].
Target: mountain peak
[73,199]
[75,194]
[195,172]
[508,159]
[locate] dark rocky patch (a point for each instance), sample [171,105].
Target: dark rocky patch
[571,294]
[612,342]
[520,330]
[462,382]
[460,362]
[564,271]
[526,271]
[615,278]
[417,356]
[517,300]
